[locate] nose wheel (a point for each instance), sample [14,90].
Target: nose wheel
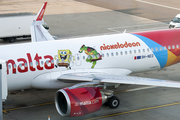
[113,102]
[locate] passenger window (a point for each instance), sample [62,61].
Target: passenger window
[83,57]
[143,50]
[107,54]
[70,58]
[56,61]
[112,54]
[121,53]
[9,66]
[126,52]
[160,48]
[78,58]
[173,47]
[116,53]
[177,46]
[147,49]
[165,48]
[130,52]
[156,49]
[134,51]
[152,49]
[102,55]
[42,62]
[139,51]
[25,64]
[169,47]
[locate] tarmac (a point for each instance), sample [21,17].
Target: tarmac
[69,18]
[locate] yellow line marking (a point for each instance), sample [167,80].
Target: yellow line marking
[121,91]
[135,89]
[7,110]
[138,110]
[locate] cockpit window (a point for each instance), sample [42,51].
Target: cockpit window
[176,20]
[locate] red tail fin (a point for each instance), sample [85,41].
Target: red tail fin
[38,32]
[41,12]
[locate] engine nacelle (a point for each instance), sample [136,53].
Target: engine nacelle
[79,101]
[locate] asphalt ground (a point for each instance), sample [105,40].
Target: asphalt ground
[160,10]
[68,18]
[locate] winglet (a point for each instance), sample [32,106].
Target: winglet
[41,12]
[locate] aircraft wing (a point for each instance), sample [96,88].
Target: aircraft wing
[59,79]
[86,75]
[117,79]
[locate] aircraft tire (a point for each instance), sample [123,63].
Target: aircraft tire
[11,40]
[113,102]
[105,104]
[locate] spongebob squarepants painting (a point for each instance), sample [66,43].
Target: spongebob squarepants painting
[64,58]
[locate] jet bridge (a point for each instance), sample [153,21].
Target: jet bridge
[3,84]
[3,80]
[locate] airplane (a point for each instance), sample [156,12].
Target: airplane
[87,70]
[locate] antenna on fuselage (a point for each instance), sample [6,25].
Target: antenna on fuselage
[124,31]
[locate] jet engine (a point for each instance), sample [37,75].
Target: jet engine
[79,101]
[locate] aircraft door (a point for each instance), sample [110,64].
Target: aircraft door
[3,78]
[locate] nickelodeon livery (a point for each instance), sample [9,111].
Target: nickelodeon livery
[87,70]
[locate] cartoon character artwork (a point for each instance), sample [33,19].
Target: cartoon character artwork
[93,55]
[64,58]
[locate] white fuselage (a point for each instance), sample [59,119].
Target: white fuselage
[34,59]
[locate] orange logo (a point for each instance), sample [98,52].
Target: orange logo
[118,46]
